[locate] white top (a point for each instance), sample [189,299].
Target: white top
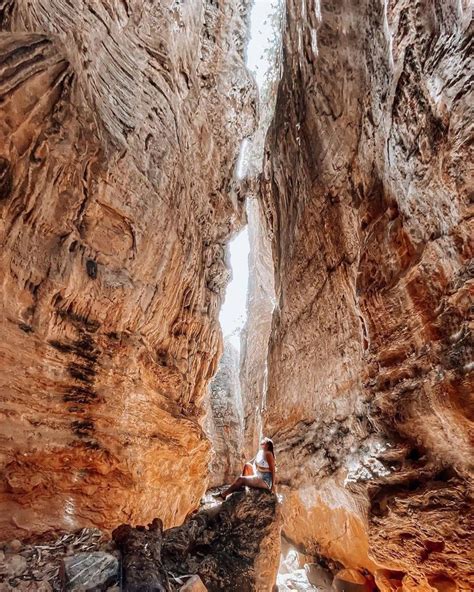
[260,460]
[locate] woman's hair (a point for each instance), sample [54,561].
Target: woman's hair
[269,444]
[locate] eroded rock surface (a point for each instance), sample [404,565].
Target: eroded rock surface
[233,547]
[366,193]
[224,423]
[120,128]
[255,335]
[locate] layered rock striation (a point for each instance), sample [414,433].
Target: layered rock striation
[366,194]
[256,332]
[120,127]
[224,423]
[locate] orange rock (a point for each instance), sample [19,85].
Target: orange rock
[117,197]
[351,580]
[366,193]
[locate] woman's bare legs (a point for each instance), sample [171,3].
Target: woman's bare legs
[242,481]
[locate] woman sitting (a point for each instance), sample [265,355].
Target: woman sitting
[258,473]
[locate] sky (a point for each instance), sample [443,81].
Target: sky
[260,32]
[234,312]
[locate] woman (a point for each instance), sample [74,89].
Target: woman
[259,473]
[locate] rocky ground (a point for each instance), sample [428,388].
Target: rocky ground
[231,546]
[40,565]
[225,546]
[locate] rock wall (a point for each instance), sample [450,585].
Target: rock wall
[256,332]
[224,423]
[366,193]
[120,129]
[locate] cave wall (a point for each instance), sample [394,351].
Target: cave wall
[256,332]
[120,128]
[224,424]
[366,194]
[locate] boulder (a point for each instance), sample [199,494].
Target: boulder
[142,569]
[194,584]
[233,547]
[89,571]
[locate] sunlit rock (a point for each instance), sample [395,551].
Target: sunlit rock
[120,128]
[366,193]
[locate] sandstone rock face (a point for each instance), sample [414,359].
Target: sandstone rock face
[120,128]
[224,423]
[254,337]
[366,194]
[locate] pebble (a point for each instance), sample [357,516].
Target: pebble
[14,546]
[14,565]
[194,584]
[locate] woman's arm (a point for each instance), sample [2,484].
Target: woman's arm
[271,465]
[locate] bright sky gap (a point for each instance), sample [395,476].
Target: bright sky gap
[234,311]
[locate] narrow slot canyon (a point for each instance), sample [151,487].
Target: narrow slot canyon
[224,220]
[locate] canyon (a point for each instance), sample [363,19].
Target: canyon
[122,124]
